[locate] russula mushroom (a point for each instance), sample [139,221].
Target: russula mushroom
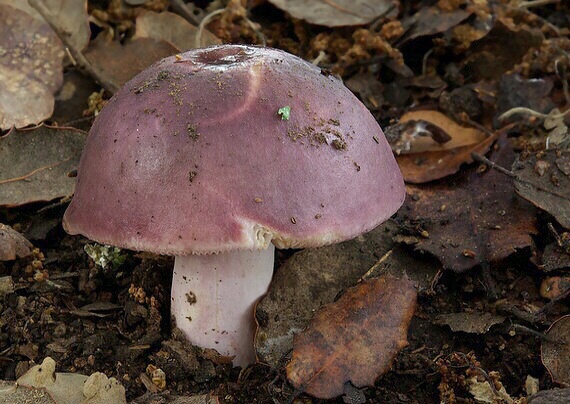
[215,156]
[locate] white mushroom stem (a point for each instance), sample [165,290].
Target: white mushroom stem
[213,298]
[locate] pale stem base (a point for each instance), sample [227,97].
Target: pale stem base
[213,298]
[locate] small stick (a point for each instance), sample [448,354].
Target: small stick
[77,56]
[508,173]
[187,14]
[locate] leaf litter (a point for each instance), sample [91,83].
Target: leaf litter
[467,63]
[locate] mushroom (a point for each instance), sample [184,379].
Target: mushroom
[216,156]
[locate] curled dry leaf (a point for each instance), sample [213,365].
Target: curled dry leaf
[336,13]
[34,164]
[30,68]
[473,219]
[555,351]
[424,156]
[354,339]
[12,244]
[119,63]
[173,29]
[545,182]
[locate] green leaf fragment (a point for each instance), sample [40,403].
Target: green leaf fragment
[284,112]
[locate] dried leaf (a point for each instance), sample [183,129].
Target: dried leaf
[416,143]
[423,157]
[119,63]
[431,21]
[308,280]
[34,164]
[335,13]
[550,189]
[354,339]
[12,244]
[554,258]
[30,68]
[474,323]
[555,351]
[554,396]
[173,29]
[473,218]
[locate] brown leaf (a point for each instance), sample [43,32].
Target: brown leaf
[459,135]
[354,339]
[424,159]
[119,63]
[551,180]
[431,21]
[173,29]
[555,351]
[472,218]
[34,164]
[12,244]
[308,280]
[30,67]
[419,168]
[335,13]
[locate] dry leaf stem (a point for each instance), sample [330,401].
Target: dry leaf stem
[77,56]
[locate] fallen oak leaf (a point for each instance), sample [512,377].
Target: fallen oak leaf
[354,339]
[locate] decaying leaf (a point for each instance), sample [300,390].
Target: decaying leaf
[30,68]
[555,351]
[471,219]
[431,21]
[549,174]
[354,339]
[173,29]
[474,323]
[335,13]
[554,258]
[34,164]
[119,63]
[422,154]
[308,280]
[12,244]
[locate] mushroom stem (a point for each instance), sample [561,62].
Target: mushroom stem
[213,298]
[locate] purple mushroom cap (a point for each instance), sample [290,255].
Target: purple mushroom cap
[192,157]
[216,153]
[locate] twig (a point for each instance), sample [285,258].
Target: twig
[523,110]
[77,56]
[181,7]
[502,170]
[536,3]
[37,170]
[538,334]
